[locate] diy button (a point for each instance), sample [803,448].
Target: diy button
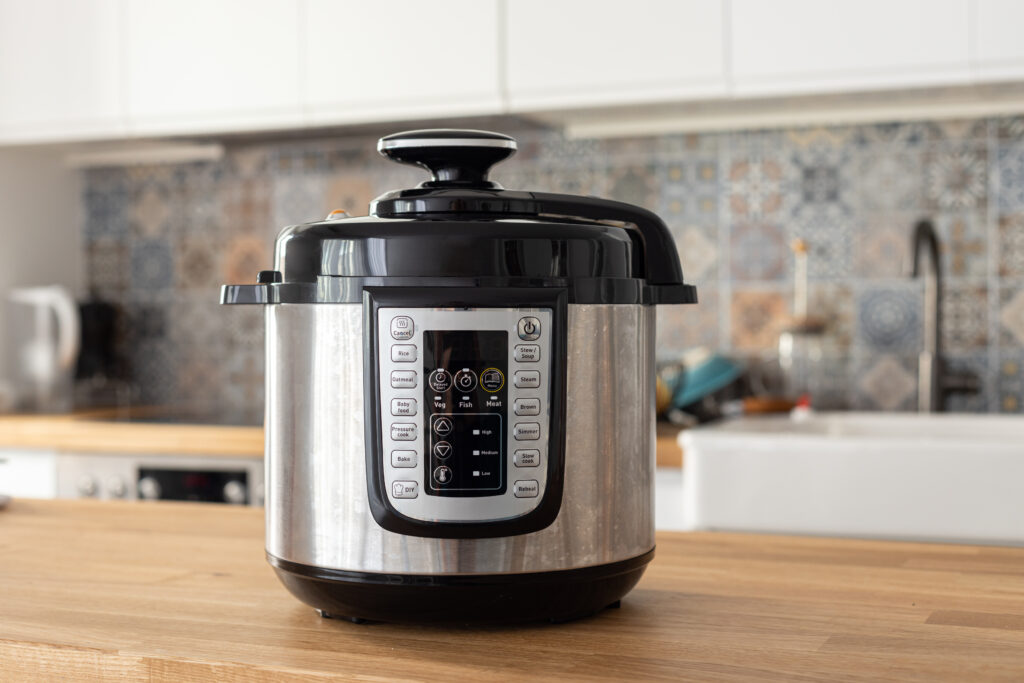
[404,489]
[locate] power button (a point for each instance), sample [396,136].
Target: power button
[529,328]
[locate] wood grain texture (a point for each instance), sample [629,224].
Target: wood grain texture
[96,591]
[72,433]
[668,451]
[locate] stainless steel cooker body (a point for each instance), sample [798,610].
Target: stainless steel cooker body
[317,509]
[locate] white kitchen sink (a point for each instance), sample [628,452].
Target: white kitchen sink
[953,478]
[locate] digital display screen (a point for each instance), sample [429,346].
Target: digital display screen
[465,395]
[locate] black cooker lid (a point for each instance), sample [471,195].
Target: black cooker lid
[460,229]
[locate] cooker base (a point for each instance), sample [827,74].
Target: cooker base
[479,598]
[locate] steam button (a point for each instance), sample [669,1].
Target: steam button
[529,328]
[526,379]
[402,327]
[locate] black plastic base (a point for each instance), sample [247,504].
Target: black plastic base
[469,599]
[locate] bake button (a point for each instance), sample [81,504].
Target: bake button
[526,406]
[442,426]
[403,353]
[404,489]
[403,379]
[402,327]
[403,406]
[527,431]
[526,379]
[403,432]
[527,353]
[529,328]
[526,488]
[403,458]
[526,457]
[440,380]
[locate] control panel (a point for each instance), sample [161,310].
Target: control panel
[465,408]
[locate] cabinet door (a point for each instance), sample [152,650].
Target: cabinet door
[580,52]
[202,65]
[400,59]
[793,46]
[59,69]
[999,49]
[28,474]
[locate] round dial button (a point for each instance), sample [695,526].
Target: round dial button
[440,380]
[443,426]
[492,380]
[442,449]
[442,474]
[465,380]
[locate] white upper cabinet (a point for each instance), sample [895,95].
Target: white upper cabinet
[582,52]
[999,47]
[59,69]
[212,65]
[400,59]
[795,46]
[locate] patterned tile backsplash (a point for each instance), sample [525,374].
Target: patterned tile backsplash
[161,239]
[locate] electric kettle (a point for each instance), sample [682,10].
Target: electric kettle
[460,395]
[48,352]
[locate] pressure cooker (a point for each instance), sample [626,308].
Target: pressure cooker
[460,395]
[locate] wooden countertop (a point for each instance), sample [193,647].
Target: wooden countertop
[175,591]
[89,433]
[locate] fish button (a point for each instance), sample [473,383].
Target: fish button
[527,431]
[405,489]
[403,353]
[526,488]
[403,432]
[527,353]
[526,379]
[403,406]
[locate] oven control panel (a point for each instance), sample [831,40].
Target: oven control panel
[465,408]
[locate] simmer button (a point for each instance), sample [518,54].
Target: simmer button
[526,379]
[527,353]
[527,488]
[529,328]
[526,431]
[403,353]
[404,489]
[401,327]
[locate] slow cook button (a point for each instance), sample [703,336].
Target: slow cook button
[403,379]
[527,431]
[403,353]
[406,489]
[403,406]
[527,406]
[401,327]
[526,488]
[527,353]
[403,432]
[527,379]
[526,457]
[403,458]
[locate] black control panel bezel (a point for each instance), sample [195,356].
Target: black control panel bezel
[385,514]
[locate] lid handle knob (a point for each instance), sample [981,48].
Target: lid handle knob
[455,158]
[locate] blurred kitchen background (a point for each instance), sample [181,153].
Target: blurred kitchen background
[151,151]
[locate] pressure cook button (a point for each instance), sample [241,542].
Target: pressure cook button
[465,380]
[526,488]
[403,458]
[527,431]
[440,380]
[526,457]
[403,406]
[526,406]
[529,328]
[402,327]
[403,379]
[526,379]
[403,489]
[442,426]
[403,432]
[403,353]
[527,353]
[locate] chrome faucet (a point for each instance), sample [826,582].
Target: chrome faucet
[934,383]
